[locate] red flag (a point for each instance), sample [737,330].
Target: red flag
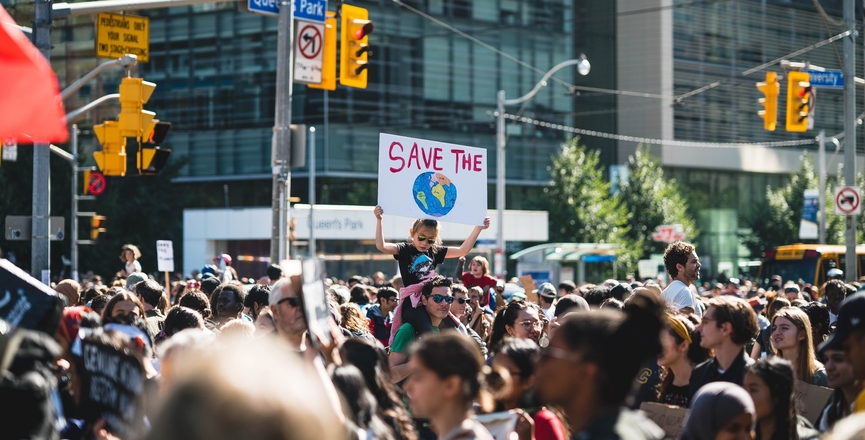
[30,106]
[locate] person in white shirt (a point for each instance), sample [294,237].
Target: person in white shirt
[546,296]
[129,255]
[683,265]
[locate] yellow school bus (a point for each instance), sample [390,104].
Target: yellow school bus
[810,262]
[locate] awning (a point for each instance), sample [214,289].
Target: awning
[569,252]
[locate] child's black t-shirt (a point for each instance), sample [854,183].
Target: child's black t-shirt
[414,265]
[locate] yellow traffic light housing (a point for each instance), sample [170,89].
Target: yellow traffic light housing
[151,157]
[798,101]
[112,159]
[328,67]
[770,89]
[97,227]
[354,46]
[134,120]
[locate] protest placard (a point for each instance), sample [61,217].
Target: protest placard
[810,400]
[164,256]
[529,285]
[670,418]
[314,299]
[420,178]
[112,381]
[25,302]
[500,424]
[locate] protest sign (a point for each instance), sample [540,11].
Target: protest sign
[500,424]
[810,400]
[670,418]
[164,256]
[314,298]
[529,285]
[419,178]
[112,381]
[25,302]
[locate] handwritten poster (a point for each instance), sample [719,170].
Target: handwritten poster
[670,418]
[419,178]
[810,400]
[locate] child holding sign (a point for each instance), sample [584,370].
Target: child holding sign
[417,259]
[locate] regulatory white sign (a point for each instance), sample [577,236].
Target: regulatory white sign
[308,52]
[848,200]
[164,256]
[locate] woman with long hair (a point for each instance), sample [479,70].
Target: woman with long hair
[771,384]
[446,378]
[121,304]
[518,357]
[519,319]
[763,344]
[358,403]
[681,352]
[371,359]
[791,340]
[353,320]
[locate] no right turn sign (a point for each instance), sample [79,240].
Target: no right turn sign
[848,200]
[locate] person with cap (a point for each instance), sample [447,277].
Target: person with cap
[720,410]
[850,336]
[134,279]
[835,274]
[223,262]
[683,265]
[546,296]
[733,287]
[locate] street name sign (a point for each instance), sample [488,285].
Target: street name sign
[118,35]
[311,10]
[827,79]
[265,7]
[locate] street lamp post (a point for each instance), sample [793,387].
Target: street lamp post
[583,67]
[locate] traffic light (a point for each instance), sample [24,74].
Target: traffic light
[151,158]
[770,89]
[798,101]
[97,227]
[328,68]
[112,159]
[354,46]
[134,120]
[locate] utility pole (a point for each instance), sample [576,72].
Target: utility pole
[821,196]
[281,147]
[851,269]
[311,163]
[40,244]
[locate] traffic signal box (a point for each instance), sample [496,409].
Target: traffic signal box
[97,227]
[770,89]
[354,46]
[798,101]
[152,158]
[112,159]
[328,68]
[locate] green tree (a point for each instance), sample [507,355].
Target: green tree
[651,201]
[778,223]
[579,202]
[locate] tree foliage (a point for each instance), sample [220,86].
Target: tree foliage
[778,222]
[580,206]
[651,201]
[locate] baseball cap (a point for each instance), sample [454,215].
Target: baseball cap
[134,278]
[851,317]
[546,290]
[835,272]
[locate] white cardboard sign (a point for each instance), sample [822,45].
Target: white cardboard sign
[420,178]
[164,256]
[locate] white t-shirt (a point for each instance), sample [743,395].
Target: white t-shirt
[133,266]
[680,296]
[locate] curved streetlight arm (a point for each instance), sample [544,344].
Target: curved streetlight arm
[541,83]
[127,61]
[74,114]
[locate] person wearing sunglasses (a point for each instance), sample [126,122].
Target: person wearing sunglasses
[462,310]
[436,300]
[287,313]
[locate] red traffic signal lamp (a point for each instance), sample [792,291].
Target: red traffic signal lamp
[354,46]
[151,157]
[97,227]
[770,89]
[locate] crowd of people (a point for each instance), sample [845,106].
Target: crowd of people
[425,356]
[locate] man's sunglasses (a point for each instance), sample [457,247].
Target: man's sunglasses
[439,298]
[292,301]
[426,239]
[462,300]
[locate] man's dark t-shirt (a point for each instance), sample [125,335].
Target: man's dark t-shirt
[414,265]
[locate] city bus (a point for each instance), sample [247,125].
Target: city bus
[810,262]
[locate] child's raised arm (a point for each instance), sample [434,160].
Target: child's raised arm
[380,244]
[466,247]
